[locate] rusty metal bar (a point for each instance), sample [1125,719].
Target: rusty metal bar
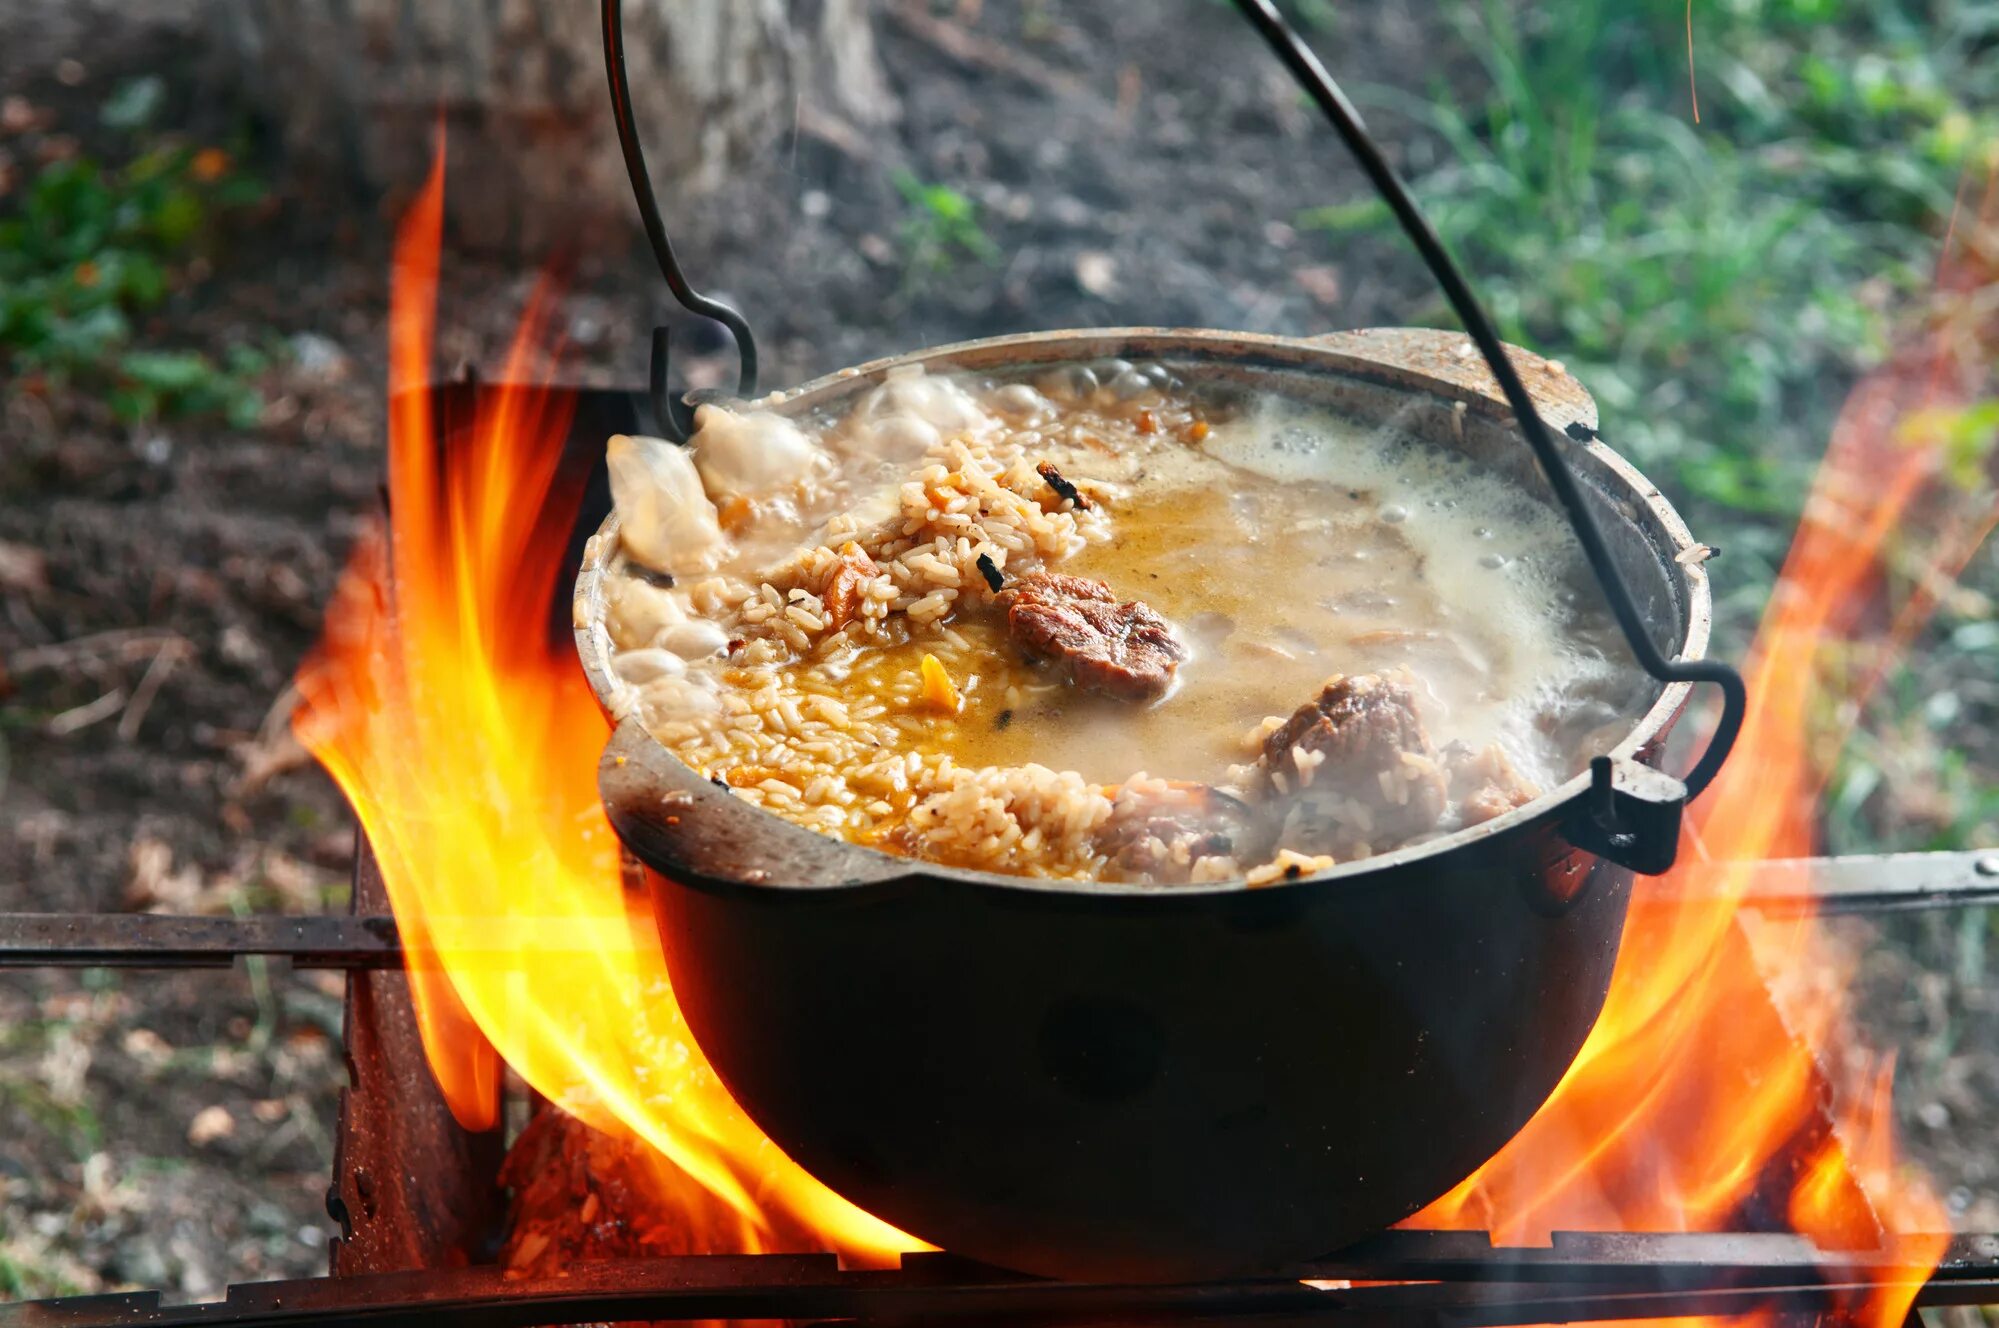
[157,940]
[358,944]
[1869,884]
[1862,883]
[412,1188]
[1578,1278]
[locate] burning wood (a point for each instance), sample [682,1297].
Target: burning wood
[580,1193]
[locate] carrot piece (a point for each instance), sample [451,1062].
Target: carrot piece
[939,692]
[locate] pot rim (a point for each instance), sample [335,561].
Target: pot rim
[1429,361]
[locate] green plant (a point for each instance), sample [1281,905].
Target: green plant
[21,1279]
[1720,286]
[75,1124]
[1714,285]
[90,248]
[1968,436]
[942,227]
[1943,800]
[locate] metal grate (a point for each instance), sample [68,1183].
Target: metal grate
[1882,883]
[421,1212]
[1429,1276]
[418,1202]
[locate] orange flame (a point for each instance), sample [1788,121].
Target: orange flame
[467,743]
[1694,1098]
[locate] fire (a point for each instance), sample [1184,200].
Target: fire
[1688,1098]
[467,742]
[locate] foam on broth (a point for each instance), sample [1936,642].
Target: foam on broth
[1292,544]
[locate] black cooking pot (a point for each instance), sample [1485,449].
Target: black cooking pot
[1109,1081]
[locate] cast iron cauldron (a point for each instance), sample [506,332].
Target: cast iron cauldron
[1106,1081]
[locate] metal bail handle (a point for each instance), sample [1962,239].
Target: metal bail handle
[1629,812]
[674,417]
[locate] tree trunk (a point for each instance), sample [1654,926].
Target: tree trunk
[356,86]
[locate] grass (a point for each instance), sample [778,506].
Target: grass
[30,1100]
[940,230]
[27,1279]
[1719,286]
[89,249]
[1708,282]
[75,1124]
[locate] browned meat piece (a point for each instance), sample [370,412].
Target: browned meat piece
[1484,784]
[1122,650]
[847,588]
[1161,833]
[1359,766]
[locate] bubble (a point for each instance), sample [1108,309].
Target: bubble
[1068,382]
[1129,384]
[1210,628]
[1483,532]
[1295,439]
[1395,514]
[1492,560]
[1019,401]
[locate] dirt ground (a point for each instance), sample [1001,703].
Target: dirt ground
[174,1130]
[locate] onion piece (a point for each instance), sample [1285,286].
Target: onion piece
[749,453]
[665,519]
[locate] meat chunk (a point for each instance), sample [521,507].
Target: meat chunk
[1358,766]
[1122,650]
[1484,783]
[1161,829]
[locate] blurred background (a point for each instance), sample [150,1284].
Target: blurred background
[1719,216]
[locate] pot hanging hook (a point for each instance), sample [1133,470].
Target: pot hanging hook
[673,415]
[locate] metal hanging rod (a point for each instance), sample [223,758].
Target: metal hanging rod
[674,417]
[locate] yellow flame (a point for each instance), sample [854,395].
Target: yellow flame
[467,742]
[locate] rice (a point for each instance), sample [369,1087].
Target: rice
[847,764]
[1288,866]
[811,703]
